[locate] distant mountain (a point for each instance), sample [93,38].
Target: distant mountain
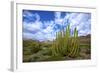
[87,36]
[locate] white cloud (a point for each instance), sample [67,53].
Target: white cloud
[50,37]
[48,23]
[37,16]
[49,29]
[41,34]
[31,16]
[36,26]
[58,20]
[27,13]
[32,26]
[27,35]
[78,20]
[81,21]
[67,15]
[75,19]
[57,15]
[48,32]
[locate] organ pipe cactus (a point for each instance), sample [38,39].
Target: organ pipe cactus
[74,51]
[65,44]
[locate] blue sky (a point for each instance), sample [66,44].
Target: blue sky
[43,25]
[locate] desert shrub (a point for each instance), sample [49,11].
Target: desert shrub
[31,46]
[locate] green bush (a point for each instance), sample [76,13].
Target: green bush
[31,46]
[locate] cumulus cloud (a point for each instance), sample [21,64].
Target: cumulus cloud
[37,17]
[26,13]
[30,17]
[46,30]
[28,35]
[35,27]
[81,21]
[58,19]
[57,15]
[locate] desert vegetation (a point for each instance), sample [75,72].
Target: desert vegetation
[64,47]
